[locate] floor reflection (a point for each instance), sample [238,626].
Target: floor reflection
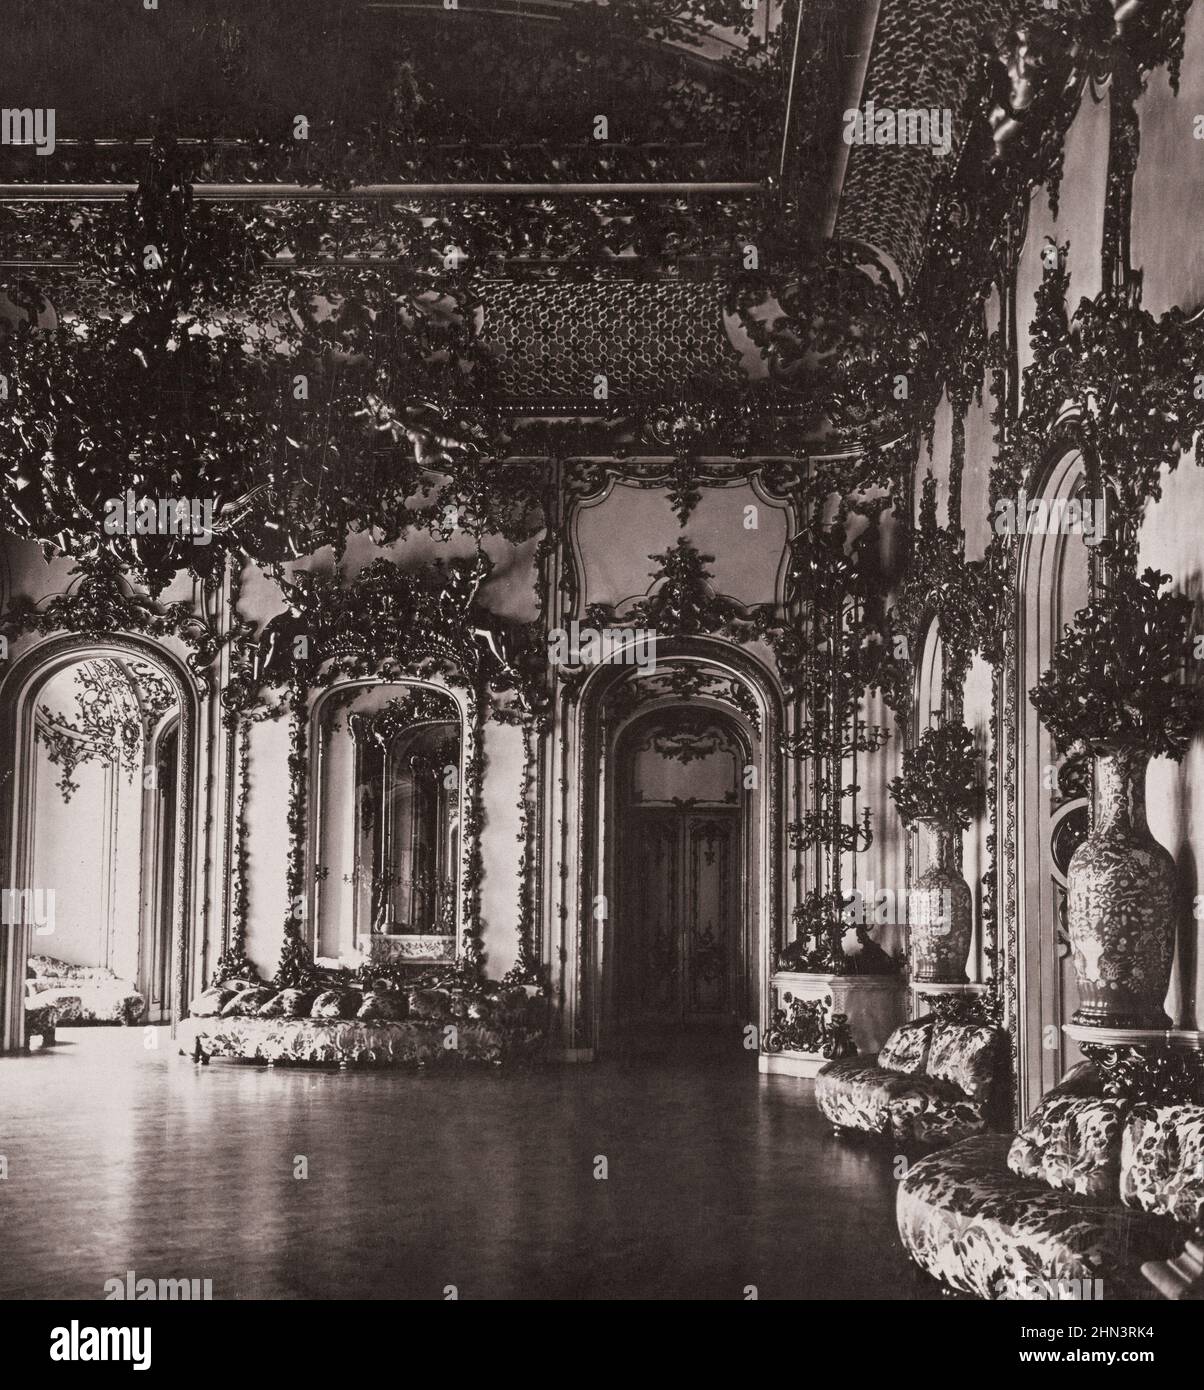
[285,1183]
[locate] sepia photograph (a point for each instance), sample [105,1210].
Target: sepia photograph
[601,670]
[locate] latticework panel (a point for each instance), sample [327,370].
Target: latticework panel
[925,55]
[649,339]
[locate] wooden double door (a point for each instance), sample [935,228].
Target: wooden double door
[680,944]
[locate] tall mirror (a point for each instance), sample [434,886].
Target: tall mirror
[389,824]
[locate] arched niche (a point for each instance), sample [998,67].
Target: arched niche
[172,868]
[1052,795]
[388,855]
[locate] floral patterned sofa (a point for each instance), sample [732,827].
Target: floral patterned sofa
[348,1026]
[80,994]
[1071,1207]
[932,1083]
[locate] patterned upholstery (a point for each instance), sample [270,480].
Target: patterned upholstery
[855,1093]
[247,1001]
[40,1023]
[383,1006]
[966,1055]
[1162,1162]
[336,1003]
[906,1049]
[353,1042]
[934,1112]
[982,1230]
[81,993]
[1071,1143]
[210,1002]
[289,1003]
[916,1105]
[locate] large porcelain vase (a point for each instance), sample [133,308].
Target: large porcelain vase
[940,914]
[1122,904]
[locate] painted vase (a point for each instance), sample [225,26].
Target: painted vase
[1121,909]
[940,914]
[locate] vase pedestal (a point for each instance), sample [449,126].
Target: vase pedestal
[1180,1039]
[874,1005]
[918,987]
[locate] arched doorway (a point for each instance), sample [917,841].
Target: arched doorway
[96,833]
[1053,795]
[681,934]
[693,677]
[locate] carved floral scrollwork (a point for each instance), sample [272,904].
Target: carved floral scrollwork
[101,603]
[684,604]
[1156,1074]
[117,704]
[809,1025]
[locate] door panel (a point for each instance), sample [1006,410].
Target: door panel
[649,956]
[710,924]
[679,922]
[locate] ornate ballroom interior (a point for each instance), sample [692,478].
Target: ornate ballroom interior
[600,626]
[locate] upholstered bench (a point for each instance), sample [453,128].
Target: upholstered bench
[345,1042]
[932,1083]
[40,1022]
[81,994]
[1071,1207]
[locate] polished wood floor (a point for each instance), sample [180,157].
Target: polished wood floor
[122,1157]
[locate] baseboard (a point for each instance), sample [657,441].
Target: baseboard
[775,1064]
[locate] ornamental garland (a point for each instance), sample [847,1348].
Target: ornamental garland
[683,603]
[470,968]
[527,969]
[233,963]
[1116,678]
[119,704]
[990,876]
[940,583]
[981,1009]
[296,969]
[1036,65]
[391,622]
[939,782]
[100,602]
[1129,380]
[1152,1075]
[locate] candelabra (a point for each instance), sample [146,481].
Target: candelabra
[836,638]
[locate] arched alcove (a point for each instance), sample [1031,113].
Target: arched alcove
[160,874]
[1052,794]
[386,843]
[698,679]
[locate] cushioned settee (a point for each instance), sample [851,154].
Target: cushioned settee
[931,1083]
[80,993]
[251,1021]
[1071,1207]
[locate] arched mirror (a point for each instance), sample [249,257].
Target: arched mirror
[389,824]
